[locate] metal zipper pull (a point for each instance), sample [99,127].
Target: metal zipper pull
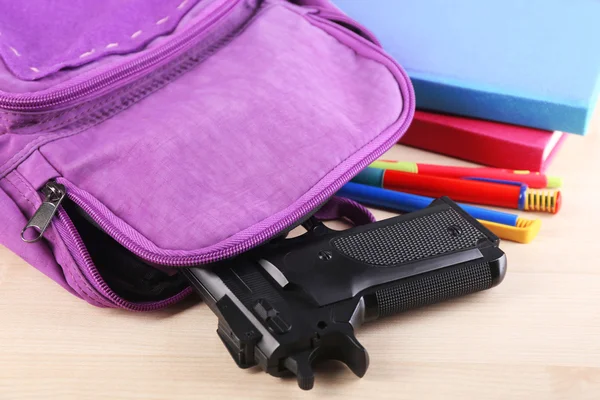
[55,193]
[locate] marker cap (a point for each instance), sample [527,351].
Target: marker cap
[554,182]
[396,166]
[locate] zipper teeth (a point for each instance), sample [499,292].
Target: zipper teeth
[266,234]
[35,102]
[88,264]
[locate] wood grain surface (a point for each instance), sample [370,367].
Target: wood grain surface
[536,336]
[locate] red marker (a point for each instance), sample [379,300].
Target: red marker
[509,195]
[531,179]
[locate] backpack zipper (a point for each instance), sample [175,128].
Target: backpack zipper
[54,194]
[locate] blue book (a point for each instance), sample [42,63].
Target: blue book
[533,63]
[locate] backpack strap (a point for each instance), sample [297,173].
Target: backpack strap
[343,208]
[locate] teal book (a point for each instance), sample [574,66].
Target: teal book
[533,63]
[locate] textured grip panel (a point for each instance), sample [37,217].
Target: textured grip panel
[415,239]
[433,288]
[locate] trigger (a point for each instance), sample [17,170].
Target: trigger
[340,346]
[345,347]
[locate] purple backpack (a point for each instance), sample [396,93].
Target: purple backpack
[150,134]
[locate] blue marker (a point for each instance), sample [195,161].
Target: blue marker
[405,202]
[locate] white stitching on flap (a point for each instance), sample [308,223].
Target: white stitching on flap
[108,46]
[183,3]
[162,21]
[87,53]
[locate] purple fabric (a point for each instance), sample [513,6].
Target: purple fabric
[38,38]
[37,171]
[208,153]
[10,83]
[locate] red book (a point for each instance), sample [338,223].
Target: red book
[483,142]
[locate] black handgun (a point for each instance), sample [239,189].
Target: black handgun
[293,302]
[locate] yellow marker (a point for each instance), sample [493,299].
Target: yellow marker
[525,231]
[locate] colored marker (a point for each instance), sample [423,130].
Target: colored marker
[407,202]
[532,179]
[504,225]
[494,193]
[525,231]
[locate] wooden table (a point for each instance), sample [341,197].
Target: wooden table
[536,336]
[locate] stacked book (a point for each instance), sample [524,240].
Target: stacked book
[498,82]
